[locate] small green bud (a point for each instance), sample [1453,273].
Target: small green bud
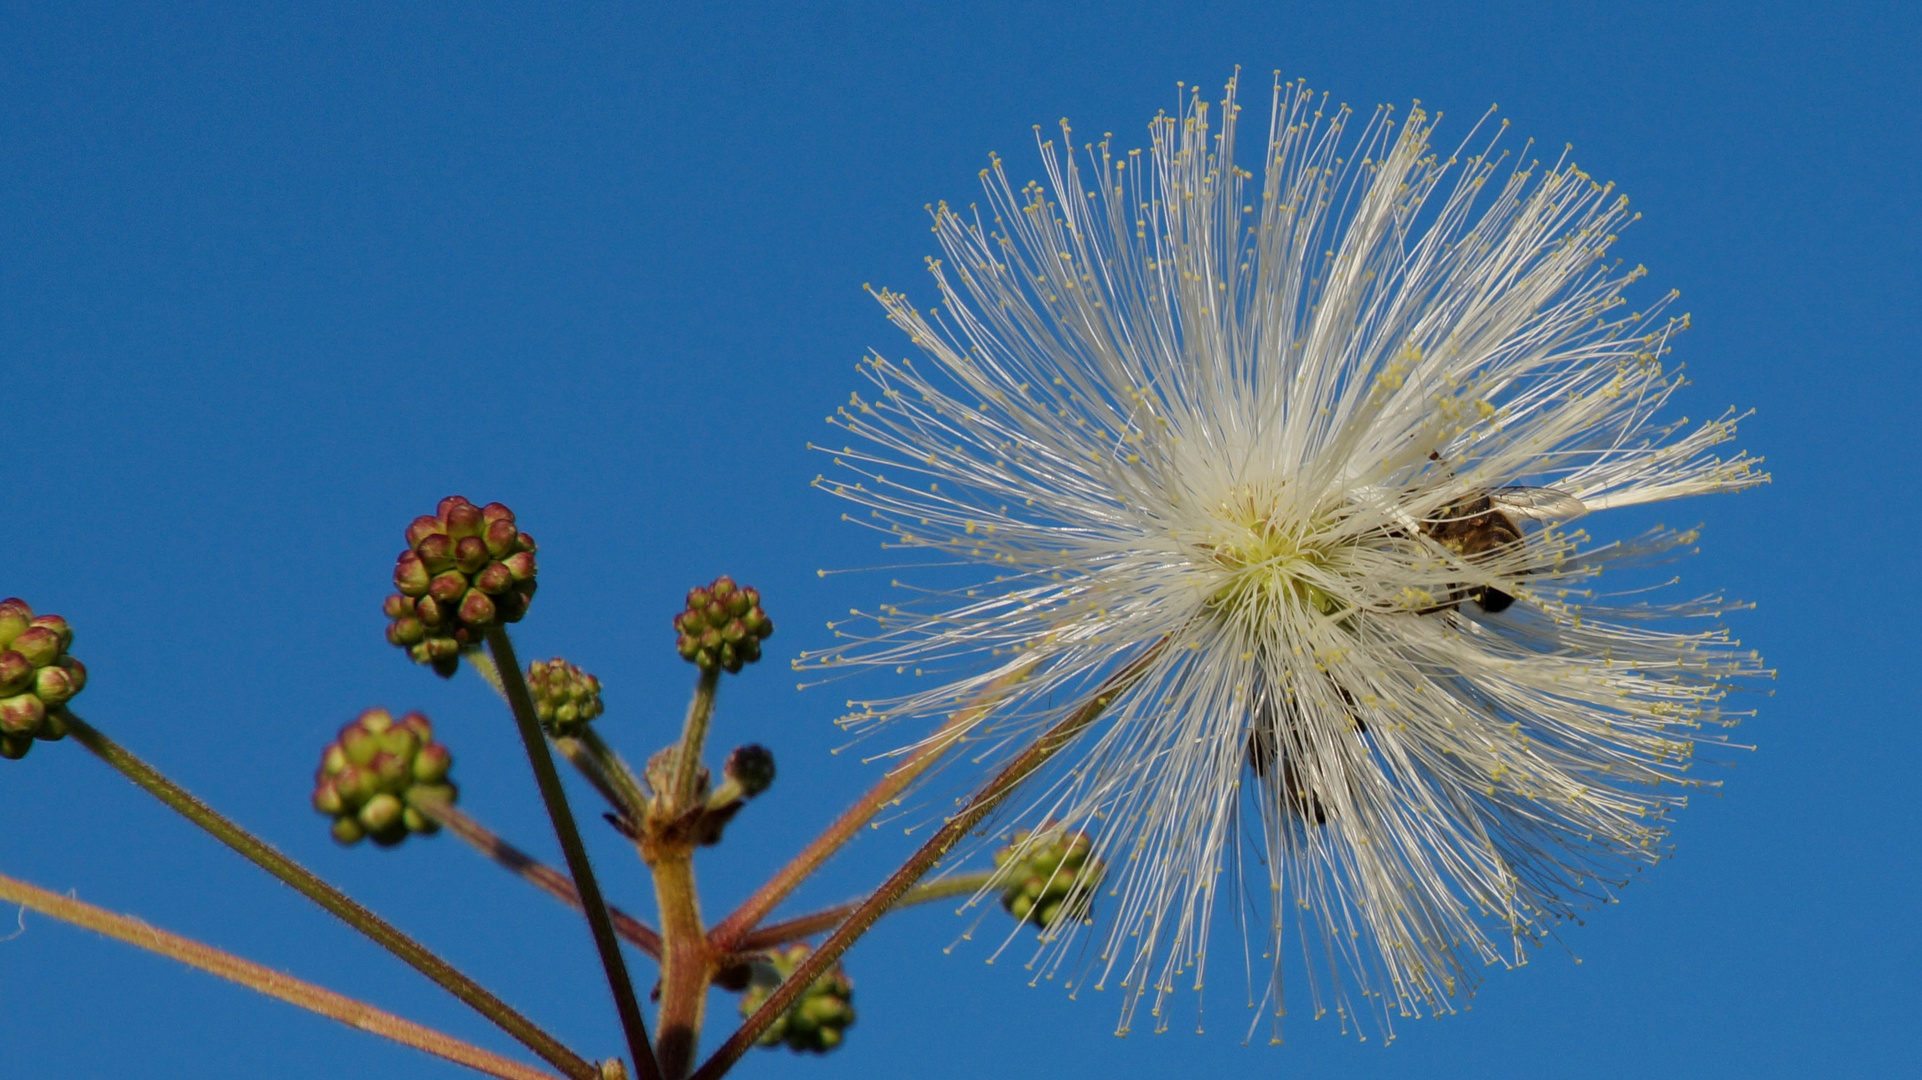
[565,697]
[818,1020]
[1049,877]
[466,569]
[37,678]
[372,769]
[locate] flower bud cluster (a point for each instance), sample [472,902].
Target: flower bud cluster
[565,697]
[818,1018]
[722,627]
[466,568]
[370,775]
[37,677]
[1049,878]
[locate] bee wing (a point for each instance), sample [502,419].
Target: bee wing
[1541,504]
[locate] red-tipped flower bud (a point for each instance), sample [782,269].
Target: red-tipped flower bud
[466,569]
[372,776]
[37,678]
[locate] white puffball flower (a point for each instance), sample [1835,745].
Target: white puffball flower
[1309,442]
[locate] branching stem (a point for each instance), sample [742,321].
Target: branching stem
[937,846]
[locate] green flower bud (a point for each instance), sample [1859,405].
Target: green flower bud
[16,673]
[818,1020]
[565,697]
[22,714]
[37,678]
[722,626]
[372,769]
[39,644]
[1049,878]
[15,616]
[466,568]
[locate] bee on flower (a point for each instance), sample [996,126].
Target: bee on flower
[1299,450]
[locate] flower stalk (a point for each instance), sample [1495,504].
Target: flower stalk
[592,904]
[265,980]
[337,903]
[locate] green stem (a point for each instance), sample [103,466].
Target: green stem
[937,847]
[687,759]
[628,796]
[333,900]
[265,980]
[549,781]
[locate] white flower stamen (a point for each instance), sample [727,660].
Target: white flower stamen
[1317,432]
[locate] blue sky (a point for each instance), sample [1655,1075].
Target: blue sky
[272,280]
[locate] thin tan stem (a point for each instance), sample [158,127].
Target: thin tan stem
[933,851]
[550,880]
[727,935]
[266,980]
[808,925]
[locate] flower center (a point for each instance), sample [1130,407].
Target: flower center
[1266,560]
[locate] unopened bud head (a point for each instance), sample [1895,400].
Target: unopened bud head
[466,569]
[375,771]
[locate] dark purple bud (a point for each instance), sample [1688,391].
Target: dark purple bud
[752,767]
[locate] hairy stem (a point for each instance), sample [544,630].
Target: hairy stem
[937,846]
[685,962]
[549,780]
[264,855]
[555,883]
[687,759]
[808,925]
[267,981]
[727,935]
